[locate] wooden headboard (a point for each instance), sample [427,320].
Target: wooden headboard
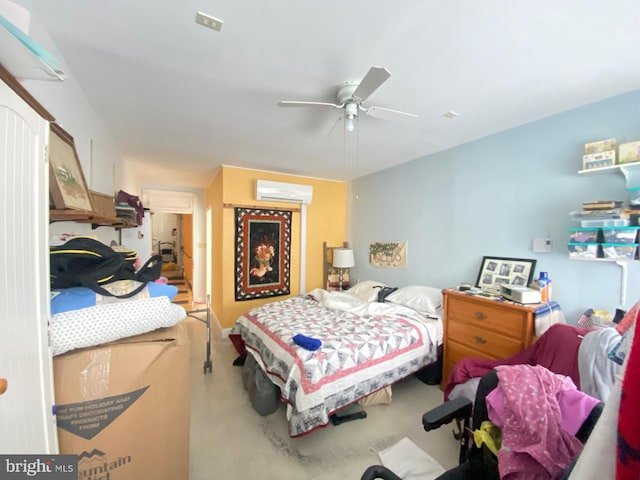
[327,260]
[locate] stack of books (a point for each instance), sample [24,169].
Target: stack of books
[601,205]
[600,210]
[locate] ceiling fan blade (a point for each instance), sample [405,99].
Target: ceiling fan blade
[383,112]
[294,103]
[375,77]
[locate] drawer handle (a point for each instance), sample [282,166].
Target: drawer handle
[480,340]
[480,316]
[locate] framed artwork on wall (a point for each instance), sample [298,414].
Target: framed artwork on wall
[496,271]
[262,253]
[388,254]
[67,186]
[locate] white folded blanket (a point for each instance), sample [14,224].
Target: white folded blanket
[100,324]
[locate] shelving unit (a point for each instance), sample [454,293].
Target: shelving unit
[631,174]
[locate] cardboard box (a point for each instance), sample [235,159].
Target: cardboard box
[600,146]
[123,407]
[629,152]
[599,160]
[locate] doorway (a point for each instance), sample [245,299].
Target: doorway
[166,234]
[177,231]
[172,235]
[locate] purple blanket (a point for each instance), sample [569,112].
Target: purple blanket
[556,349]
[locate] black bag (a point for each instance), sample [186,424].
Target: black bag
[385,292]
[86,262]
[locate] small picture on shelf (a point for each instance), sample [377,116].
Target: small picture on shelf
[67,186]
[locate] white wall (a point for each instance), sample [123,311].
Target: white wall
[105,167]
[67,103]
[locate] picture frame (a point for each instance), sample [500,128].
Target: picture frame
[262,250]
[497,271]
[67,185]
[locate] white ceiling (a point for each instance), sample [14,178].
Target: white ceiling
[178,97]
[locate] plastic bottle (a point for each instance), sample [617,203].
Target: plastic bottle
[543,285]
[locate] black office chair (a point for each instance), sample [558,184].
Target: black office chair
[475,463]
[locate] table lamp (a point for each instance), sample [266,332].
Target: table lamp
[343,258]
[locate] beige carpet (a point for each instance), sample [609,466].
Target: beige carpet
[230,440]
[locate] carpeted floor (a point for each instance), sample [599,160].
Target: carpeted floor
[230,440]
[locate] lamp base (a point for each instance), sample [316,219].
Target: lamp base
[341,278]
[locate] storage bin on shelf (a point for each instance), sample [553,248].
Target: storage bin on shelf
[583,235]
[626,235]
[604,222]
[583,250]
[621,251]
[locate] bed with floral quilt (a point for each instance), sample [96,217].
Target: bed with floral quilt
[325,350]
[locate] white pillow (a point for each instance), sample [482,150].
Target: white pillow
[424,300]
[366,291]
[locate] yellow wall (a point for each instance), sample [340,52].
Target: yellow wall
[214,202]
[326,217]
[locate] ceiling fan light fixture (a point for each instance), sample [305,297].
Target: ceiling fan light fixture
[348,123]
[351,111]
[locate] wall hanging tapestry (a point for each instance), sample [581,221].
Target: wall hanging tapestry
[388,254]
[263,245]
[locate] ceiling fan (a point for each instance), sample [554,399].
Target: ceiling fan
[350,98]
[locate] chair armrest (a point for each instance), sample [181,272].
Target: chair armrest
[379,472]
[458,408]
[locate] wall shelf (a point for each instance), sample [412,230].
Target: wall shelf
[631,174]
[630,171]
[83,216]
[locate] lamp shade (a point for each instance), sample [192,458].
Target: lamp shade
[343,258]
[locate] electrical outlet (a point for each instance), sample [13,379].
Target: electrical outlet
[209,21]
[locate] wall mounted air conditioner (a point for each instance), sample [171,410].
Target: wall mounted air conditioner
[283,192]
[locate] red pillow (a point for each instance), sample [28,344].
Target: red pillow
[628,319]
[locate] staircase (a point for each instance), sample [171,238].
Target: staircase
[176,278]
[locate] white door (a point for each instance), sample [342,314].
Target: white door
[26,420]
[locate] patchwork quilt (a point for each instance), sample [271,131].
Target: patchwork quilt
[364,347]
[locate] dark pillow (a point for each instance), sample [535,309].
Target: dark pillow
[384,291]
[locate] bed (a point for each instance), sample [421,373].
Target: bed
[366,345]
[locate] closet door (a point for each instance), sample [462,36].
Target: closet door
[26,420]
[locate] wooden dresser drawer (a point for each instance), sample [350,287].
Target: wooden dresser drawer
[475,326]
[486,317]
[453,354]
[485,343]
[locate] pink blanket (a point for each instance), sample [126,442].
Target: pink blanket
[556,349]
[535,444]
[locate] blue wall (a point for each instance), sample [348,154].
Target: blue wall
[492,196]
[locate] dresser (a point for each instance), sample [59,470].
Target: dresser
[476,326]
